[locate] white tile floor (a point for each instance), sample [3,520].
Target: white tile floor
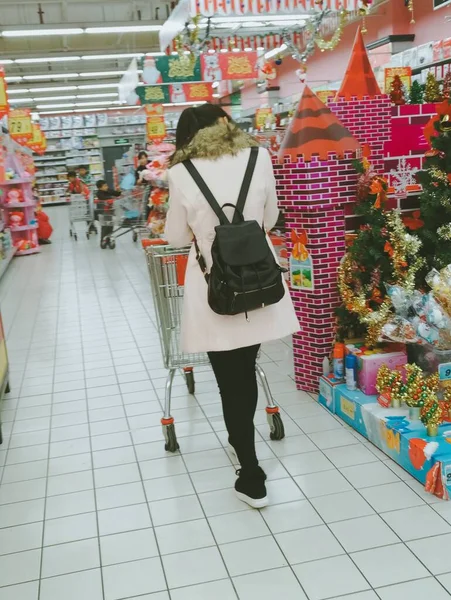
[91,506]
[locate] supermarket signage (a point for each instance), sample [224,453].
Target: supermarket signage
[36,142]
[170,69]
[19,125]
[261,117]
[439,3]
[121,141]
[229,65]
[155,128]
[4,106]
[405,74]
[176,93]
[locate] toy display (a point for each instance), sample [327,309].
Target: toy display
[14,196]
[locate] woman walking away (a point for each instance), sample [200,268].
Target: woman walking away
[245,302]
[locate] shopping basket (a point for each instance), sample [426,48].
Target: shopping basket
[167,266]
[127,214]
[80,211]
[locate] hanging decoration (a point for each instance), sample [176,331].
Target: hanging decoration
[411,8]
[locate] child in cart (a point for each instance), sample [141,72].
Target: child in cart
[78,186]
[84,174]
[104,204]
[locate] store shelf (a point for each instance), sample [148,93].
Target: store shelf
[7,205]
[51,189]
[51,181]
[23,228]
[83,155]
[4,263]
[57,203]
[15,181]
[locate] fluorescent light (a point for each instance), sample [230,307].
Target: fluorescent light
[51,98]
[83,110]
[108,56]
[98,86]
[103,74]
[6,61]
[124,29]
[97,103]
[13,78]
[184,103]
[62,88]
[22,91]
[117,109]
[276,51]
[20,100]
[40,32]
[115,95]
[50,75]
[49,59]
[44,106]
[54,112]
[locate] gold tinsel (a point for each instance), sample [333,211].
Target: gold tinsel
[331,44]
[404,246]
[389,384]
[438,175]
[445,232]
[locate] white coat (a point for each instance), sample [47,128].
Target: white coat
[189,213]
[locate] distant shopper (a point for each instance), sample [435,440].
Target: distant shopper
[45,230]
[84,174]
[209,143]
[142,164]
[104,204]
[76,185]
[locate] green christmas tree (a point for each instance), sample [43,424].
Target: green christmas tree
[432,89]
[446,89]
[381,254]
[416,95]
[435,199]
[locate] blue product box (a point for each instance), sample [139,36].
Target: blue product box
[326,396]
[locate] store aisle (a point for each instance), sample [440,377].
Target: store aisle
[92,507]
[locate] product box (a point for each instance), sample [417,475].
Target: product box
[326,395]
[369,365]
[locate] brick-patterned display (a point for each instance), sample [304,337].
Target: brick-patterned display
[312,196]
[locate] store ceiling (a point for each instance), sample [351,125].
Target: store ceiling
[88,44]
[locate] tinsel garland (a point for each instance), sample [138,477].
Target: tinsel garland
[331,44]
[445,232]
[402,247]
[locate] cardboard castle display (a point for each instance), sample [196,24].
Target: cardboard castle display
[316,186]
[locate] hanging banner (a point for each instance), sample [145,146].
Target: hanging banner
[229,65]
[154,110]
[170,69]
[177,93]
[262,116]
[405,74]
[155,125]
[128,83]
[36,142]
[4,106]
[19,125]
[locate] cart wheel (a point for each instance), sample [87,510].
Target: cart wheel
[276,426]
[104,243]
[70,232]
[75,237]
[171,439]
[190,381]
[7,388]
[135,236]
[112,244]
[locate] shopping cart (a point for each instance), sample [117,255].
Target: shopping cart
[80,210]
[167,267]
[126,214]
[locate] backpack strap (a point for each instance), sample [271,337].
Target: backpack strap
[206,191]
[246,184]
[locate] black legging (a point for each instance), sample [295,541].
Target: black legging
[235,373]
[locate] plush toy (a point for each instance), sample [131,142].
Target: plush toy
[25,245]
[16,218]
[15,196]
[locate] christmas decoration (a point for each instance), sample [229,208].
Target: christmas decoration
[411,8]
[382,254]
[446,88]
[432,89]
[390,386]
[416,95]
[403,176]
[397,91]
[435,199]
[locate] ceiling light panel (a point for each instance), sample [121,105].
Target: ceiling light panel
[12,92]
[124,29]
[40,32]
[108,56]
[65,105]
[62,88]
[112,95]
[98,86]
[49,59]
[48,76]
[53,98]
[13,78]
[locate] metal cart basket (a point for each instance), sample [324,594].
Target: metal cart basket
[80,211]
[126,214]
[167,267]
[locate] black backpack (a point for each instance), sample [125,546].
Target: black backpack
[245,275]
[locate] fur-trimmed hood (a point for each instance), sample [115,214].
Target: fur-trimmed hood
[213,142]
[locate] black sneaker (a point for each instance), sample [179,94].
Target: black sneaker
[250,487]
